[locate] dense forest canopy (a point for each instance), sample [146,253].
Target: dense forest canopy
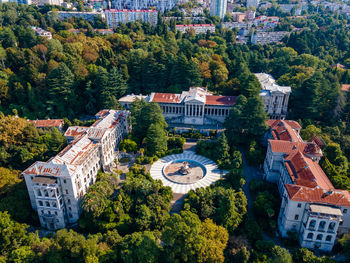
[73,75]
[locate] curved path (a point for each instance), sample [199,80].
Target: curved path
[212,172]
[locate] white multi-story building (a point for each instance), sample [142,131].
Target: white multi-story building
[197,28]
[49,2]
[218,8]
[311,206]
[56,187]
[90,16]
[114,17]
[275,97]
[41,32]
[161,5]
[262,37]
[253,3]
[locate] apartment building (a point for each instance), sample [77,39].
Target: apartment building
[218,8]
[90,16]
[56,187]
[263,38]
[311,206]
[160,5]
[197,28]
[115,17]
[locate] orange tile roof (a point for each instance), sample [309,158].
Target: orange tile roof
[167,98]
[310,183]
[345,87]
[284,130]
[47,123]
[318,195]
[220,100]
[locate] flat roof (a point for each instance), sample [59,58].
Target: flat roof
[325,210]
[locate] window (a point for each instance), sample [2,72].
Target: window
[38,192]
[345,211]
[65,181]
[329,238]
[341,223]
[312,224]
[296,217]
[310,236]
[47,204]
[70,215]
[69,208]
[68,201]
[319,237]
[322,225]
[299,205]
[331,226]
[66,191]
[41,203]
[56,215]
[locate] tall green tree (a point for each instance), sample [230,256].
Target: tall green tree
[246,120]
[156,139]
[60,87]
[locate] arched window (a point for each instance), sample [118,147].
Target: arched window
[312,223]
[319,237]
[310,236]
[322,225]
[331,226]
[329,238]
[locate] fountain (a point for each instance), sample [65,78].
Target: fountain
[185,168]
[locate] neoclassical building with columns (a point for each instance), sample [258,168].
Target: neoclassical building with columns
[199,108]
[196,107]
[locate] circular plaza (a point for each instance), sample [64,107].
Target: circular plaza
[186,171]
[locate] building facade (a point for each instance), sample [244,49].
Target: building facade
[56,187]
[160,5]
[311,206]
[90,16]
[275,98]
[197,28]
[218,8]
[263,38]
[114,17]
[253,3]
[195,107]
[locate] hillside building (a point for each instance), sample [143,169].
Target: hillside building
[311,206]
[56,187]
[253,3]
[218,8]
[115,17]
[89,16]
[160,5]
[47,124]
[275,98]
[197,28]
[198,107]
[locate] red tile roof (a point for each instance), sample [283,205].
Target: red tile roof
[318,195]
[345,87]
[48,123]
[220,100]
[309,182]
[167,98]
